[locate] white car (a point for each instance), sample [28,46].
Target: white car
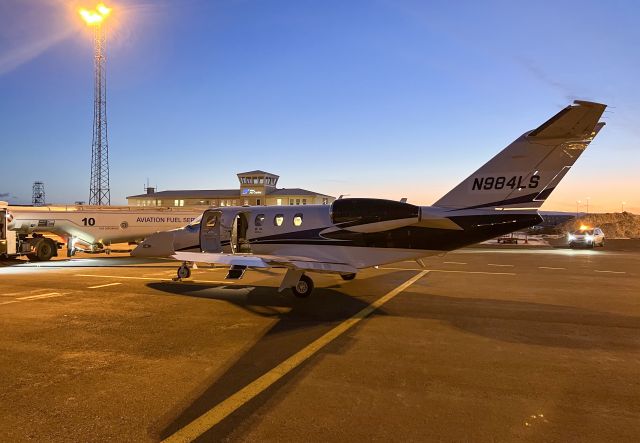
[587,237]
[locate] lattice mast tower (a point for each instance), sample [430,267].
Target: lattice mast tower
[99,191]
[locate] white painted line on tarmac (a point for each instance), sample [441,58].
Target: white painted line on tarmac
[40,296]
[611,272]
[228,406]
[552,268]
[454,263]
[496,264]
[153,279]
[104,286]
[451,271]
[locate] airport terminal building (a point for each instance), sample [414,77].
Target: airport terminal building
[257,188]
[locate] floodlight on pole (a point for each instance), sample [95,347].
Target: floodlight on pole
[99,192]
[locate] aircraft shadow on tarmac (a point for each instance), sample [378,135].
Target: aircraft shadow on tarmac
[304,321]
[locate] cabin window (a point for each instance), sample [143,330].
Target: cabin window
[297,220]
[325,201]
[297,201]
[304,201]
[259,219]
[278,220]
[291,201]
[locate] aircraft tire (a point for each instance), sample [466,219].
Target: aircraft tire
[348,277]
[184,272]
[303,288]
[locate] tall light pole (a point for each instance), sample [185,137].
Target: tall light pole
[577,207]
[99,191]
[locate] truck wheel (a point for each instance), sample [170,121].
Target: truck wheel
[45,249]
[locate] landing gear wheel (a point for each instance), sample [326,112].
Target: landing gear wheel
[348,277]
[303,288]
[184,272]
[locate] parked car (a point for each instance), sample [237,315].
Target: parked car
[586,237]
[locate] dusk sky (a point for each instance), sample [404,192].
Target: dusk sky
[384,99]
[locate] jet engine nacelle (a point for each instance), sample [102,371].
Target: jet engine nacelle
[372,215]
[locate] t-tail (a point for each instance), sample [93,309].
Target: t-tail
[527,171]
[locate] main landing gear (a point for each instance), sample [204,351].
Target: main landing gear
[303,288]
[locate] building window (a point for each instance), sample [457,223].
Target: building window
[278,219]
[304,201]
[255,180]
[297,220]
[279,201]
[246,202]
[259,219]
[178,203]
[235,203]
[291,201]
[261,181]
[325,201]
[258,202]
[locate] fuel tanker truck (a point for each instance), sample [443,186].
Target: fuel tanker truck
[23,229]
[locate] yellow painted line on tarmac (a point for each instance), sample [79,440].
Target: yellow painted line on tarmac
[105,285]
[454,263]
[552,268]
[499,265]
[611,272]
[222,410]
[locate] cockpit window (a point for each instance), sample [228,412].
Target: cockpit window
[259,219]
[196,221]
[297,220]
[278,220]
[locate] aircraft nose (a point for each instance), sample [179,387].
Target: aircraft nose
[156,245]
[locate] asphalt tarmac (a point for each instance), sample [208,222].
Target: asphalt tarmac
[485,344]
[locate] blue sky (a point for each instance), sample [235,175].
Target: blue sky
[368,98]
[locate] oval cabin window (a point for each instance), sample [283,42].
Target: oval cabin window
[259,219]
[278,220]
[297,220]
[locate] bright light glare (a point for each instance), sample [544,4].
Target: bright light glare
[96,16]
[584,227]
[102,9]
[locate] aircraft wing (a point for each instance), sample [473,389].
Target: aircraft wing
[266,261]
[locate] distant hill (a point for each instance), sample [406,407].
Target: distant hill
[614,225]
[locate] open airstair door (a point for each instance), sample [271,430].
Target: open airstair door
[239,230]
[210,231]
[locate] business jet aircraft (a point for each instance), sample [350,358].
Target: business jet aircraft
[355,233]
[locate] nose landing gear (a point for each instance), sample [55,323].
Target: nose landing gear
[183,272]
